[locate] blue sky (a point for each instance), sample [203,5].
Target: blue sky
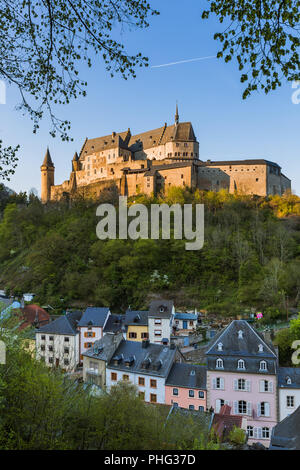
[208,93]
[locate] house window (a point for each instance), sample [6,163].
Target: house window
[51,338]
[263,365]
[113,376]
[157,332]
[241,364]
[191,393]
[157,321]
[191,407]
[132,334]
[125,377]
[43,337]
[153,383]
[290,401]
[66,350]
[145,335]
[241,384]
[142,395]
[50,348]
[191,323]
[265,433]
[219,383]
[250,431]
[89,334]
[242,407]
[201,408]
[50,360]
[175,392]
[263,409]
[42,348]
[201,394]
[219,403]
[142,381]
[219,364]
[153,398]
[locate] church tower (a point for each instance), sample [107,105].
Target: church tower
[47,173]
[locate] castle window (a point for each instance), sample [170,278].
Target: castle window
[257,179]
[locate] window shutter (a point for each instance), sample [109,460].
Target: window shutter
[249,408]
[235,384]
[259,433]
[214,383]
[261,385]
[218,405]
[235,408]
[271,387]
[222,383]
[267,409]
[227,403]
[248,386]
[94,334]
[258,409]
[256,436]
[85,334]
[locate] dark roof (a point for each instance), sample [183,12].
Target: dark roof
[286,434]
[114,323]
[260,161]
[246,348]
[161,308]
[47,160]
[104,348]
[136,317]
[64,325]
[188,376]
[185,316]
[289,372]
[155,359]
[94,316]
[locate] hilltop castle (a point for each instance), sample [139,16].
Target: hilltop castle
[154,160]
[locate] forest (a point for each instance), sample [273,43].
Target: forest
[250,259]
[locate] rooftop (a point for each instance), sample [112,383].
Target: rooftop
[64,325]
[187,376]
[161,308]
[136,317]
[94,316]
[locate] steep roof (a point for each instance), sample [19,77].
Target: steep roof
[106,142]
[114,323]
[161,308]
[64,325]
[187,376]
[155,359]
[47,160]
[289,372]
[34,315]
[94,316]
[136,317]
[286,434]
[104,348]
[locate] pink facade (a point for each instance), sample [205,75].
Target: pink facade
[181,396]
[250,395]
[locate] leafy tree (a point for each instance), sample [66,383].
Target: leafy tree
[263,36]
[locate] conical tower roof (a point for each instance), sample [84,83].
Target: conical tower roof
[75,158]
[47,160]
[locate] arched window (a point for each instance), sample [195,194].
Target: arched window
[263,365]
[219,364]
[260,348]
[240,334]
[288,380]
[241,364]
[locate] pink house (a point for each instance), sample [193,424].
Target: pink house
[186,386]
[241,373]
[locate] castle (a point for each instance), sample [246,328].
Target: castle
[151,162]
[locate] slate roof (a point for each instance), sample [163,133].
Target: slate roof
[185,316]
[157,305]
[181,375]
[114,323]
[136,317]
[260,161]
[293,373]
[246,348]
[47,160]
[154,353]
[64,325]
[104,348]
[94,316]
[286,434]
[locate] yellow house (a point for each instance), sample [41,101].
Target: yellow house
[136,322]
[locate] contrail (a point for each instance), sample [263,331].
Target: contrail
[184,61]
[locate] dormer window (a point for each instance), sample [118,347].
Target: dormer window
[241,364]
[219,364]
[240,334]
[288,380]
[260,348]
[220,347]
[263,365]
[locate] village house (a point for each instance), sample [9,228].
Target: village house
[160,321]
[242,373]
[96,358]
[136,322]
[145,365]
[186,386]
[57,343]
[288,390]
[91,327]
[224,422]
[185,323]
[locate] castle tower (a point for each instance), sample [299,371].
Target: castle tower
[176,115]
[47,173]
[75,162]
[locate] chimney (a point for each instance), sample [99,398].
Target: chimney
[145,343]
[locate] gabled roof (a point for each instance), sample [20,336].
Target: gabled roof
[114,323]
[64,325]
[289,372]
[99,144]
[187,376]
[154,360]
[136,317]
[94,316]
[104,348]
[161,308]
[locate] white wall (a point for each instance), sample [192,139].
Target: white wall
[59,345]
[284,410]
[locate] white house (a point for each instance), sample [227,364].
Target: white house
[57,343]
[185,322]
[143,364]
[160,321]
[91,327]
[288,390]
